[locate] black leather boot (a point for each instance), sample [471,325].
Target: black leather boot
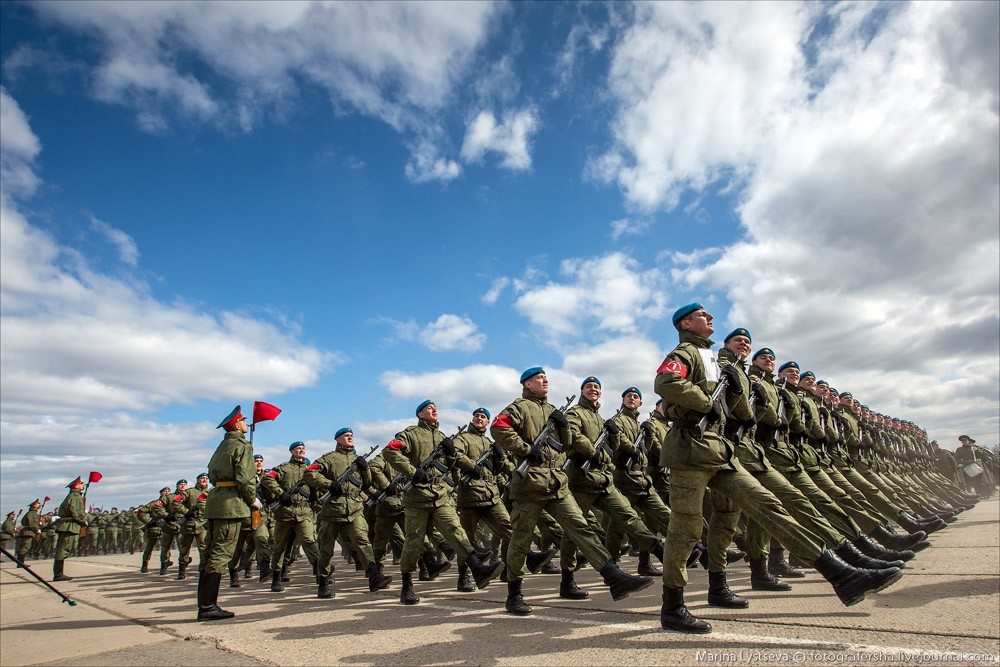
[621,584]
[646,569]
[145,567]
[695,556]
[465,583]
[164,564]
[182,569]
[208,598]
[719,594]
[914,542]
[568,588]
[481,572]
[376,580]
[433,566]
[735,555]
[57,571]
[581,560]
[515,604]
[779,567]
[762,580]
[865,545]
[234,578]
[284,573]
[536,560]
[850,555]
[276,586]
[675,616]
[850,583]
[264,568]
[407,594]
[324,591]
[912,524]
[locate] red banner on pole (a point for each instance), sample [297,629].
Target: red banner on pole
[264,412]
[96,476]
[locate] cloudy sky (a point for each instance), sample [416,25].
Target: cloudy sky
[343,209]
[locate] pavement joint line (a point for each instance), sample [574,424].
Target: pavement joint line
[730,636]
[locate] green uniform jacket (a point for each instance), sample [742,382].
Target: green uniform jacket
[72,514]
[409,449]
[515,428]
[329,467]
[750,453]
[685,383]
[965,455]
[812,438]
[945,463]
[484,491]
[656,471]
[31,523]
[382,476]
[231,462]
[7,529]
[780,454]
[283,478]
[585,426]
[634,480]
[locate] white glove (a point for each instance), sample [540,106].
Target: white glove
[256,504]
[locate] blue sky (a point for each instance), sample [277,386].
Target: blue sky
[343,209]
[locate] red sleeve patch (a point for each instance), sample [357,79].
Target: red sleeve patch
[138,512]
[272,474]
[202,497]
[312,466]
[502,421]
[394,445]
[672,366]
[179,498]
[159,503]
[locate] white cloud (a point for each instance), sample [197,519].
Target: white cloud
[397,62]
[426,164]
[128,252]
[629,227]
[495,290]
[602,296]
[510,138]
[867,179]
[18,149]
[451,332]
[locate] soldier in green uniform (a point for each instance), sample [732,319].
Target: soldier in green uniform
[30,525]
[8,529]
[700,459]
[151,514]
[49,535]
[190,510]
[169,512]
[112,527]
[544,487]
[72,518]
[594,487]
[388,510]
[429,504]
[632,478]
[293,519]
[231,471]
[341,514]
[479,492]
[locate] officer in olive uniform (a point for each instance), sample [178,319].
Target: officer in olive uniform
[231,472]
[429,503]
[544,486]
[170,512]
[72,517]
[699,459]
[152,514]
[189,506]
[293,519]
[30,525]
[342,513]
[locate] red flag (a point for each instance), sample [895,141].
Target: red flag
[96,476]
[264,412]
[47,499]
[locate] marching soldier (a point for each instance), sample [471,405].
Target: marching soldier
[294,518]
[30,525]
[428,504]
[189,506]
[72,518]
[8,529]
[231,471]
[151,514]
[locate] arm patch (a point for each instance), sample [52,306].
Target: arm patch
[502,421]
[313,466]
[673,366]
[394,445]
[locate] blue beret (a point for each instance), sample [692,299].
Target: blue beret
[423,405]
[482,411]
[166,488]
[659,400]
[846,393]
[181,481]
[590,379]
[344,430]
[684,311]
[763,350]
[258,457]
[788,364]
[297,443]
[205,474]
[531,372]
[807,374]
[231,418]
[738,332]
[823,382]
[634,389]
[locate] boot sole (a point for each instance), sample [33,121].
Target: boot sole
[885,584]
[687,630]
[625,594]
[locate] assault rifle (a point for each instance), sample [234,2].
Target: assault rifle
[393,486]
[300,488]
[193,512]
[718,397]
[347,477]
[780,410]
[544,439]
[601,445]
[432,461]
[639,444]
[752,400]
[488,460]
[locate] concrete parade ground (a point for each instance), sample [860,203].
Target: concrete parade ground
[945,610]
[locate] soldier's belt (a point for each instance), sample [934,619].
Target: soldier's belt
[224,484]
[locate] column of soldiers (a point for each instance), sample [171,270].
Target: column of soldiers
[734,449]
